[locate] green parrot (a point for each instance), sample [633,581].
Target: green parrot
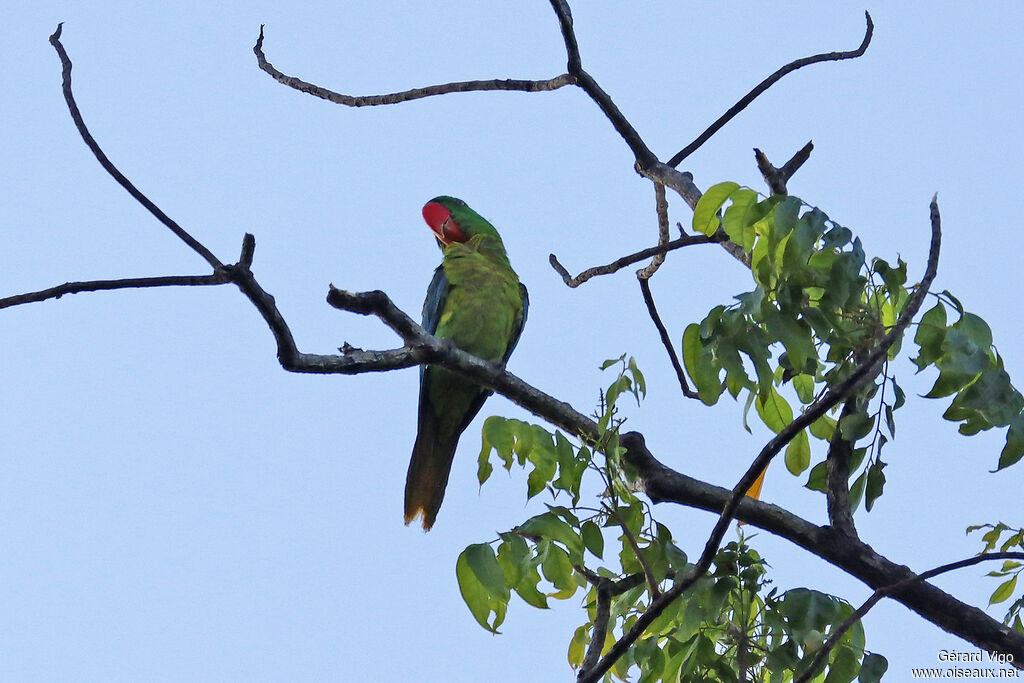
[476,300]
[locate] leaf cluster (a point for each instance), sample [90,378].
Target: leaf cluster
[727,626]
[818,308]
[1010,570]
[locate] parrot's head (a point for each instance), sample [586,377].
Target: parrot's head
[452,220]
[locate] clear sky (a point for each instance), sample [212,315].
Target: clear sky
[174,506]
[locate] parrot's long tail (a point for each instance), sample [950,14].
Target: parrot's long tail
[428,473]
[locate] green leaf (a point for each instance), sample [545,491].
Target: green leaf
[558,570]
[798,454]
[1013,451]
[872,668]
[804,386]
[612,361]
[739,218]
[549,526]
[705,214]
[484,565]
[857,490]
[478,595]
[1004,591]
[578,646]
[497,436]
[794,334]
[638,379]
[875,484]
[593,539]
[856,426]
[844,666]
[699,366]
[817,480]
[823,428]
[774,411]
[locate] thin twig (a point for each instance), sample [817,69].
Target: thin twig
[645,289]
[652,582]
[837,632]
[218,278]
[90,142]
[832,397]
[405,95]
[767,83]
[620,263]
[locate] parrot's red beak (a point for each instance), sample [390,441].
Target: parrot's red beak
[441,222]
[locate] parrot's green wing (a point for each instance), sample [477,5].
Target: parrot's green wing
[484,305]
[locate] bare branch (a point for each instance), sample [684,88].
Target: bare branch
[406,95]
[90,142]
[776,178]
[645,289]
[767,83]
[644,156]
[218,278]
[837,632]
[620,263]
[572,49]
[661,208]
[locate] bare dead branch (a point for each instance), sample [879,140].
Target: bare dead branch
[837,632]
[815,410]
[218,278]
[620,263]
[572,49]
[644,156]
[406,95]
[645,289]
[661,208]
[776,178]
[761,87]
[109,167]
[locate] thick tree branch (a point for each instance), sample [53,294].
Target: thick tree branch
[602,615]
[109,167]
[837,487]
[761,87]
[665,485]
[405,95]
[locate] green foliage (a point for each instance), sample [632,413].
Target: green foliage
[731,618]
[818,308]
[1003,538]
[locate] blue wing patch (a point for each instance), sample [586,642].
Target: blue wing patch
[437,294]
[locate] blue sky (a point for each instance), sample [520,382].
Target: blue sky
[174,506]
